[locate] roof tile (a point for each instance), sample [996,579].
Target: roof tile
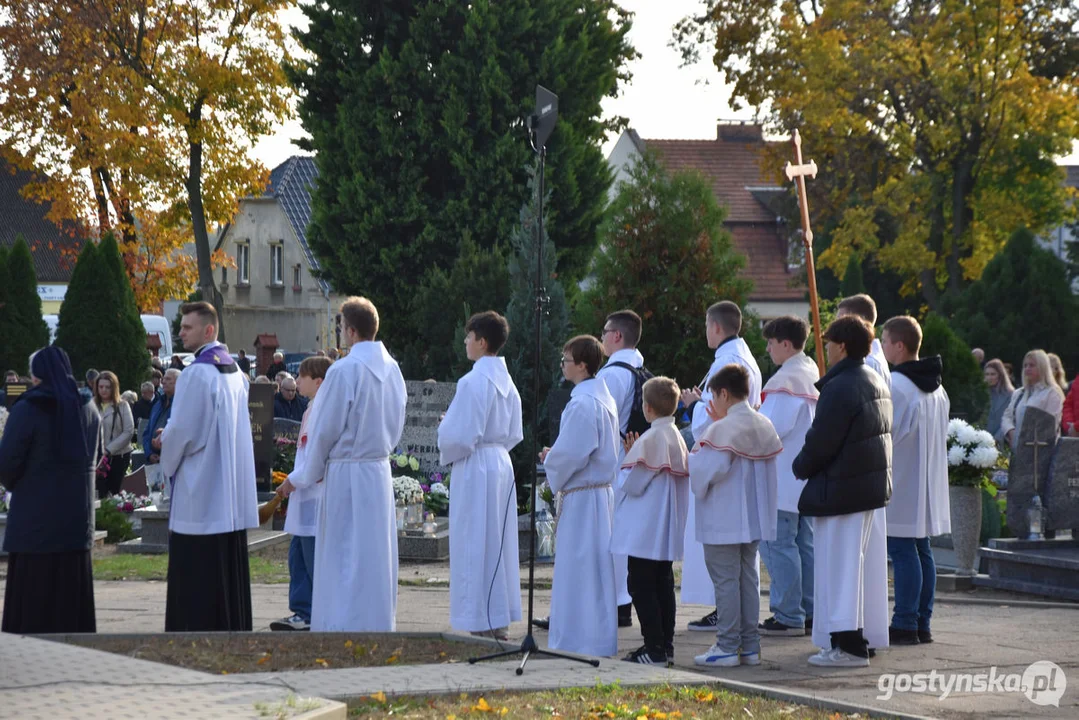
[54,250]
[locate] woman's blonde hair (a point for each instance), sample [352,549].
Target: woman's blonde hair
[1058,370]
[1005,383]
[1041,360]
[111,377]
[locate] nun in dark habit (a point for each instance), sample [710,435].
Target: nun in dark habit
[48,454]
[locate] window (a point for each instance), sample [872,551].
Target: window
[224,276]
[296,276]
[277,270]
[243,265]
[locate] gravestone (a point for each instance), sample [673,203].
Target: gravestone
[285,428]
[1037,438]
[260,409]
[427,401]
[1062,492]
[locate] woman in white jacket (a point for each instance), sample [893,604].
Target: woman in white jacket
[117,427]
[1039,390]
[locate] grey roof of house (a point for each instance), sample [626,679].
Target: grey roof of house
[54,250]
[290,184]
[1073,175]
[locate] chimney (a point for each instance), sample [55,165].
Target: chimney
[738,131]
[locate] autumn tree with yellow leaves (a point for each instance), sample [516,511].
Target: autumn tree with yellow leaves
[140,115]
[936,124]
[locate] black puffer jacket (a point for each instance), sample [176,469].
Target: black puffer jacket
[847,456]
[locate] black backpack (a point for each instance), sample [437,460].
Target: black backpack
[637,422]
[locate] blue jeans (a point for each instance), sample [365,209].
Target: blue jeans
[915,577]
[789,559]
[301,570]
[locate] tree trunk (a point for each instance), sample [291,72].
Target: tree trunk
[198,220]
[928,276]
[962,214]
[102,201]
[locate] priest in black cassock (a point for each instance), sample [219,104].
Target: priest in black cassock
[207,451]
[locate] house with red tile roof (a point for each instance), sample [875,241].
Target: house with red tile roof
[748,183]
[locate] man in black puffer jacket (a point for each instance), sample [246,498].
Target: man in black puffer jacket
[846,459]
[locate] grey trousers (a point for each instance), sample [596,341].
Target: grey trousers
[733,569]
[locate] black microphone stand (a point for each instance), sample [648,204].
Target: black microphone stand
[528,646]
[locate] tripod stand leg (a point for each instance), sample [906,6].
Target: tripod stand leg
[524,660]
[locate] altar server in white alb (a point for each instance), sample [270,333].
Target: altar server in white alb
[732,473]
[581,466]
[722,324]
[846,460]
[621,334]
[790,402]
[919,506]
[481,426]
[875,587]
[207,450]
[357,423]
[650,519]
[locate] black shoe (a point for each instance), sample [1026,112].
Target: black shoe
[705,624]
[773,627]
[543,623]
[625,615]
[902,637]
[644,657]
[924,636]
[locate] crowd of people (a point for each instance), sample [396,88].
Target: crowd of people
[854,461]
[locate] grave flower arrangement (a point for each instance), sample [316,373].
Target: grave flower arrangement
[405,465]
[407,491]
[284,458]
[436,497]
[5,499]
[3,420]
[972,456]
[127,502]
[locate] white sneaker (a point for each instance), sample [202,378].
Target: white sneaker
[837,658]
[717,657]
[290,623]
[753,658]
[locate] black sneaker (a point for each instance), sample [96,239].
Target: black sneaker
[705,624]
[543,623]
[809,626]
[902,637]
[644,657]
[773,627]
[924,636]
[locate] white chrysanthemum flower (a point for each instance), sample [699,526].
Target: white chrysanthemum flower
[440,489]
[957,455]
[954,426]
[985,439]
[983,457]
[967,436]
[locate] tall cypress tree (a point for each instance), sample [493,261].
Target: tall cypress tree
[419,133]
[130,360]
[5,327]
[853,281]
[24,325]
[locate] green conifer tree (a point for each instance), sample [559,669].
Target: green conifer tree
[130,359]
[853,281]
[24,327]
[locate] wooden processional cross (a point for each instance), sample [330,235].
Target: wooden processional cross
[798,173]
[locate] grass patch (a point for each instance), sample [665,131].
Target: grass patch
[662,702]
[156,567]
[276,652]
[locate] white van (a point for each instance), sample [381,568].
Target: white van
[154,324]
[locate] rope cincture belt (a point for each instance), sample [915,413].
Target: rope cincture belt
[564,493]
[357,461]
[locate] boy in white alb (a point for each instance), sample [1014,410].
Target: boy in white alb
[621,333]
[581,466]
[481,426]
[301,521]
[650,519]
[790,401]
[919,506]
[732,473]
[723,323]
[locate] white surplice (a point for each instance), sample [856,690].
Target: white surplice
[697,587]
[622,385]
[301,518]
[919,506]
[582,465]
[207,449]
[790,402]
[840,597]
[875,575]
[356,424]
[653,496]
[481,426]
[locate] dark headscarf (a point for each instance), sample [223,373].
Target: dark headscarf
[51,366]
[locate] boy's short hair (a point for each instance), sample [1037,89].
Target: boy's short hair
[661,394]
[787,328]
[360,314]
[629,324]
[861,305]
[733,378]
[315,367]
[854,333]
[906,330]
[156,374]
[206,312]
[727,315]
[489,326]
[585,349]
